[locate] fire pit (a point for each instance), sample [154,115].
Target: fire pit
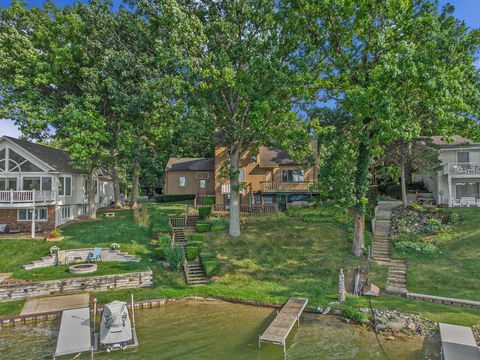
[82,269]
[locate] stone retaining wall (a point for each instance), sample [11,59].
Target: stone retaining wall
[92,283]
[81,255]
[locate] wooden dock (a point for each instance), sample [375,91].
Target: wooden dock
[279,329]
[74,336]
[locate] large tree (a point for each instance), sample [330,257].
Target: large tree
[400,69]
[245,81]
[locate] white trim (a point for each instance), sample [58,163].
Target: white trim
[26,154]
[64,187]
[29,220]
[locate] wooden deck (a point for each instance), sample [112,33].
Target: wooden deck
[279,329]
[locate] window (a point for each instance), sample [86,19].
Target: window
[65,212]
[202,184]
[182,181]
[30,183]
[18,163]
[8,184]
[467,190]
[293,175]
[41,214]
[65,186]
[84,209]
[463,157]
[3,160]
[241,176]
[95,185]
[46,183]
[202,175]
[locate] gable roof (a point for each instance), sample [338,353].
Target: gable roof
[190,164]
[272,157]
[58,159]
[458,141]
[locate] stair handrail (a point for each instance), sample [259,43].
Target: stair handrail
[185,270]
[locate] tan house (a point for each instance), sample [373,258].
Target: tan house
[192,176]
[268,176]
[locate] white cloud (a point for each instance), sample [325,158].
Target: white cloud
[7,127]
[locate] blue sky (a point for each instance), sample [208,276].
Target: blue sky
[467,10]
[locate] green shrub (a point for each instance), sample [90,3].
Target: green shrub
[203,227]
[417,207]
[161,252]
[415,247]
[218,227]
[175,257]
[172,198]
[161,228]
[192,252]
[164,240]
[353,314]
[209,200]
[198,244]
[204,212]
[211,267]
[194,237]
[453,219]
[433,226]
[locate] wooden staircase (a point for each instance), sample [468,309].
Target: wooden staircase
[194,273]
[179,238]
[192,221]
[397,269]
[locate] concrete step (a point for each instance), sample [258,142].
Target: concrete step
[396,290]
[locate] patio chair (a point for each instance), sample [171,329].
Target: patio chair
[96,255]
[468,201]
[456,202]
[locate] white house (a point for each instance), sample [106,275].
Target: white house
[40,180]
[457,183]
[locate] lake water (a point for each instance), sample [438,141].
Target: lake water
[218,330]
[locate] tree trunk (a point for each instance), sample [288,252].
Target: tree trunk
[361,187]
[234,226]
[135,175]
[403,181]
[359,233]
[92,207]
[116,187]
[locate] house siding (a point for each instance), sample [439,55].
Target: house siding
[192,184]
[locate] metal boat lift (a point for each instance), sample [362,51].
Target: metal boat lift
[279,329]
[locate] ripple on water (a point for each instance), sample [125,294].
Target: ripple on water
[218,330]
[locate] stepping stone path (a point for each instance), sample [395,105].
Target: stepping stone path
[196,275]
[397,271]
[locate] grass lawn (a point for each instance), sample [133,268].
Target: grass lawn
[276,257]
[455,271]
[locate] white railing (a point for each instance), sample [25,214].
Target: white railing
[471,168]
[26,196]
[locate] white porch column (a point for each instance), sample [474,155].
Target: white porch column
[33,214]
[450,202]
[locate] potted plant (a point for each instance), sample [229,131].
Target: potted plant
[55,235]
[54,249]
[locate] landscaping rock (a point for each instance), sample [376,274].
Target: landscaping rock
[396,325]
[326,311]
[337,312]
[395,321]
[364,310]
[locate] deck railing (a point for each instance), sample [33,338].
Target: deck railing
[177,222]
[256,209]
[288,186]
[470,168]
[26,196]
